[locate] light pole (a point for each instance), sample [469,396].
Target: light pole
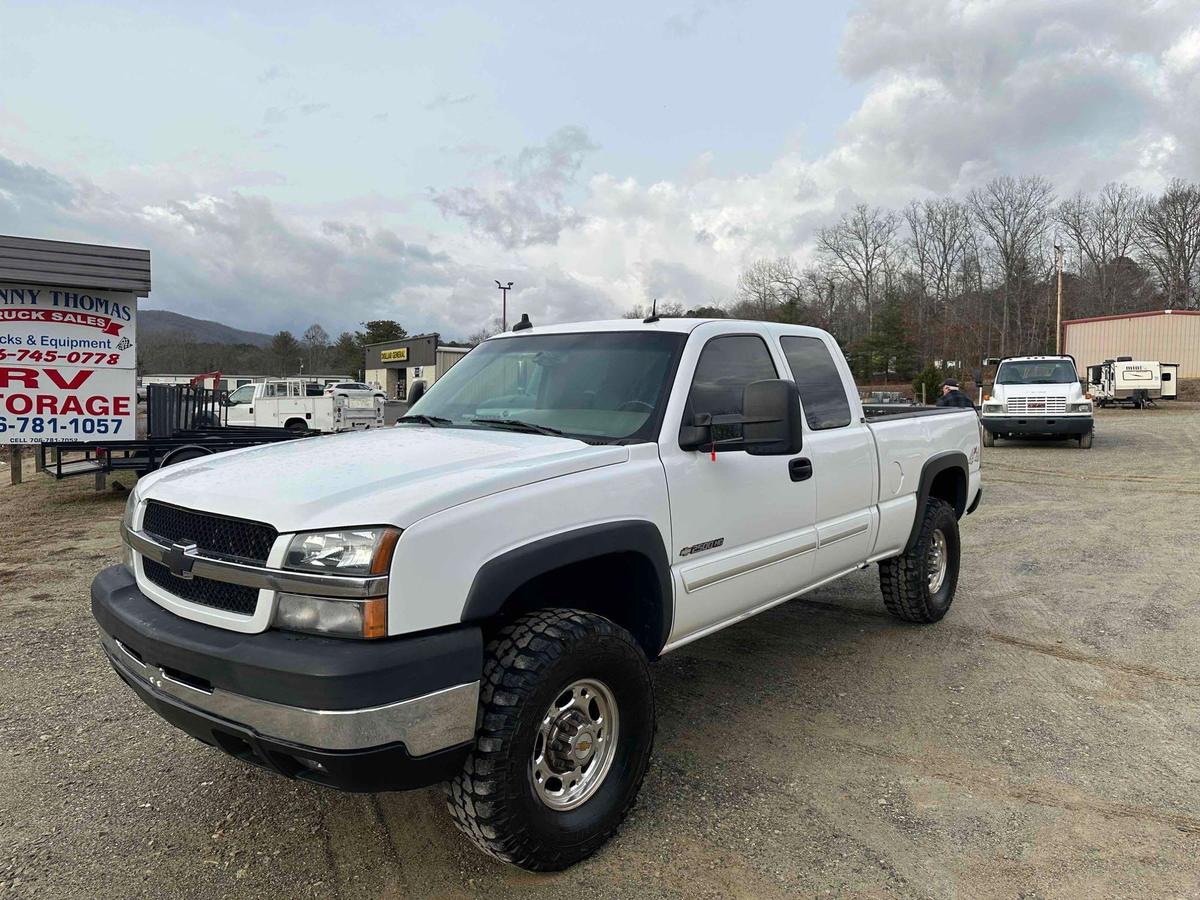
[504,289]
[1058,251]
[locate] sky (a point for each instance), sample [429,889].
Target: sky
[290,164]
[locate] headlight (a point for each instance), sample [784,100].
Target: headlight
[127,520]
[130,508]
[1081,407]
[993,407]
[343,618]
[352,551]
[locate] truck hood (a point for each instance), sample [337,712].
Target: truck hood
[386,476]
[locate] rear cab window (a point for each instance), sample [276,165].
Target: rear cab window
[822,392]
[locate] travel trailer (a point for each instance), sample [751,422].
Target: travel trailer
[1124,380]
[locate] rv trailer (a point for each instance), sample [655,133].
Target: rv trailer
[1124,380]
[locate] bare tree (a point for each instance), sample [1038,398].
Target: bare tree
[316,346]
[1014,215]
[939,236]
[1169,238]
[861,246]
[1103,232]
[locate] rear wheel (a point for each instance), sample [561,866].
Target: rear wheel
[298,426]
[919,585]
[566,726]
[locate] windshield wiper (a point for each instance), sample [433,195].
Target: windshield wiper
[518,425]
[431,421]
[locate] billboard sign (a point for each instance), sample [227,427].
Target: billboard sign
[68,361]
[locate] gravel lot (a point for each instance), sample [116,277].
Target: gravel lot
[1039,742]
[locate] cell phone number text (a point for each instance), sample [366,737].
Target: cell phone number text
[31,425]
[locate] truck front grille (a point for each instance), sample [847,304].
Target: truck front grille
[1035,406]
[218,536]
[221,595]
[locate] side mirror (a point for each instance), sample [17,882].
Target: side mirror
[416,391]
[770,420]
[772,412]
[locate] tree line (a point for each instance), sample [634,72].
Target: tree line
[948,281]
[313,352]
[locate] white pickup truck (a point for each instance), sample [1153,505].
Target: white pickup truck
[301,406]
[473,596]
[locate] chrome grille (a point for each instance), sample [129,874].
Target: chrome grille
[214,536]
[218,594]
[1035,406]
[218,536]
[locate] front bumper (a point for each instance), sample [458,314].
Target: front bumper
[1062,424]
[356,715]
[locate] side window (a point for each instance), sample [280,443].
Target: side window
[727,364]
[821,390]
[244,394]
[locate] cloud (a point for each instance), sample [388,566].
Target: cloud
[311,109]
[441,101]
[522,200]
[953,93]
[271,73]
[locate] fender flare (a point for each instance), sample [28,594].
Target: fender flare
[501,575]
[934,466]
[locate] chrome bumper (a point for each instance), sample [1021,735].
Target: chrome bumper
[424,724]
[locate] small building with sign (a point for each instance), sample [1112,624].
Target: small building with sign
[394,365]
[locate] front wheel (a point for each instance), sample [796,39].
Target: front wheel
[566,726]
[1085,440]
[989,439]
[919,585]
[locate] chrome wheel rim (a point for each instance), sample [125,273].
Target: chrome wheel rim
[575,745]
[935,561]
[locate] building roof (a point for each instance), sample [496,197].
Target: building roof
[66,264]
[1134,315]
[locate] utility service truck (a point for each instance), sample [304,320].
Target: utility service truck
[302,406]
[1037,396]
[473,596]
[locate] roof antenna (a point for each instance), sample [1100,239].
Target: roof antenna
[653,317]
[523,324]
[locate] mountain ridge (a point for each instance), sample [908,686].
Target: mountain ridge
[162,323]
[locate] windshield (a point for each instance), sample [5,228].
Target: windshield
[597,386]
[1037,371]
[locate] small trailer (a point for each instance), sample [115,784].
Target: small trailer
[1125,381]
[1170,381]
[183,422]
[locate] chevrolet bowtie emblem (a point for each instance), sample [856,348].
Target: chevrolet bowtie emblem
[177,560]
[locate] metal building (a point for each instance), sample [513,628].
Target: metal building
[1170,335]
[394,365]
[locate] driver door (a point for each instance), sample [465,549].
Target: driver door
[239,409]
[743,527]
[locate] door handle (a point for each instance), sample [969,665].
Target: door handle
[800,469]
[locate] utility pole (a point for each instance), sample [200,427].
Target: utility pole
[504,289]
[1058,250]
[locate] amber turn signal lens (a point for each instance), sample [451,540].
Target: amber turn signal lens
[374,617]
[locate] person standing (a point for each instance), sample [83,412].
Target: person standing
[952,396]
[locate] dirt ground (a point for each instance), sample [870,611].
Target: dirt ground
[1039,742]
